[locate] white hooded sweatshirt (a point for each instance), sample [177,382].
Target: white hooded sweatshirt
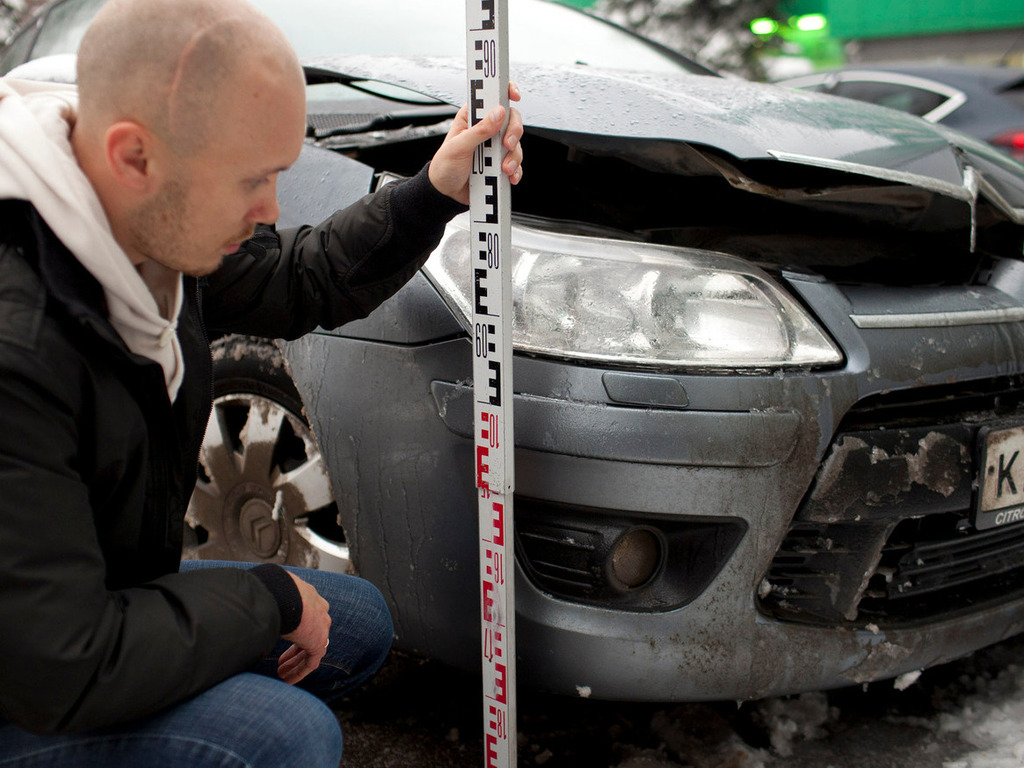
[37,164]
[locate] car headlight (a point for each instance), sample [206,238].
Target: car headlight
[627,303]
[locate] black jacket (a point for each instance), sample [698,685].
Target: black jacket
[97,627]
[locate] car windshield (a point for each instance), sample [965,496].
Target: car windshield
[540,32]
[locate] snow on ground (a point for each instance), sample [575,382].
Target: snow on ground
[982,708]
[990,721]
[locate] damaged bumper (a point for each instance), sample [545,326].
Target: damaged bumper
[795,485]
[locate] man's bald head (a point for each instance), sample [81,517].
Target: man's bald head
[188,112]
[169,64]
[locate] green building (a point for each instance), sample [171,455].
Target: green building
[873,30]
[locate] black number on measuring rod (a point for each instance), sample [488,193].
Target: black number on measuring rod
[493,251]
[483,345]
[487,62]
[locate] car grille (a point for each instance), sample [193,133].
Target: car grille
[915,564]
[885,533]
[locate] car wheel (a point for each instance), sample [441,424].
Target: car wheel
[263,493]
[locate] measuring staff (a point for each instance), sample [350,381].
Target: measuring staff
[490,249]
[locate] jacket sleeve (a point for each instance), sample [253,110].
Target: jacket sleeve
[285,284]
[77,654]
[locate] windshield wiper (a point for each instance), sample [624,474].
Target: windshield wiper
[332,121]
[326,124]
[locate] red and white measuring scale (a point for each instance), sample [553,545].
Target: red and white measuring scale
[490,262]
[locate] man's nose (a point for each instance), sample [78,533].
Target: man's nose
[267,210]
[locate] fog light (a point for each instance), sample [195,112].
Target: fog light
[635,557]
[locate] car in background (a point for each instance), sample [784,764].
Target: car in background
[985,102]
[394,27]
[769,377]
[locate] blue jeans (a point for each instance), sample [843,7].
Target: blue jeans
[251,720]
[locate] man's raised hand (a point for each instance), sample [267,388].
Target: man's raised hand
[452,163]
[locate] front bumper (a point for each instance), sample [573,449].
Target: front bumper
[394,421]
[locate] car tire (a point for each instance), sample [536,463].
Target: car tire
[263,494]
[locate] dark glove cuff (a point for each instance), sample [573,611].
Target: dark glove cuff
[285,592]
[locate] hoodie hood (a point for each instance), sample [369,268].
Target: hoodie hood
[37,164]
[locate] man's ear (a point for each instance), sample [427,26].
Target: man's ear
[129,149]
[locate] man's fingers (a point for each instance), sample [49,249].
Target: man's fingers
[514,132]
[496,117]
[488,126]
[295,673]
[290,672]
[295,663]
[449,169]
[291,661]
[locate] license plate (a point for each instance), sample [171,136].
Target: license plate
[1001,487]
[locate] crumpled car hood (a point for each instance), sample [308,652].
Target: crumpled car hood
[746,121]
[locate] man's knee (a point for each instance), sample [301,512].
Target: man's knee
[267,723]
[310,729]
[247,721]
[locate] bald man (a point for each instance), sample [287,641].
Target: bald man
[115,201]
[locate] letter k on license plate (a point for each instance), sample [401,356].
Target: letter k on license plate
[1001,485]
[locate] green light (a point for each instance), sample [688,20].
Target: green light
[812,22]
[764,26]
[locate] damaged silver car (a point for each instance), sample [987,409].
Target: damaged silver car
[769,376]
[768,392]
